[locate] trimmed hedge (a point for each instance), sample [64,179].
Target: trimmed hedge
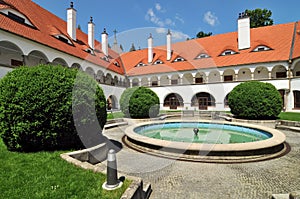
[255,100]
[44,108]
[139,102]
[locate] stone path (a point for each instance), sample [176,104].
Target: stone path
[179,179]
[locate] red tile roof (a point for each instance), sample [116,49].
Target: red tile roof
[47,25]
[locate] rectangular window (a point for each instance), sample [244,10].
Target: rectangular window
[174,81]
[16,63]
[297,99]
[281,75]
[298,73]
[154,83]
[199,80]
[228,78]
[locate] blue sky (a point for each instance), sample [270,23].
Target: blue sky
[136,19]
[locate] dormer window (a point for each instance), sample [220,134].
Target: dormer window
[179,59]
[105,58]
[90,51]
[17,16]
[202,56]
[158,62]
[228,52]
[63,39]
[261,48]
[140,64]
[116,64]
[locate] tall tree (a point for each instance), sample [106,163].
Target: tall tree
[203,34]
[259,17]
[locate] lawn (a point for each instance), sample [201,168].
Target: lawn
[289,116]
[46,175]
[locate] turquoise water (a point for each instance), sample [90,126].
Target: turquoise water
[208,133]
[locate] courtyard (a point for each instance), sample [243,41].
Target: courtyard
[182,179]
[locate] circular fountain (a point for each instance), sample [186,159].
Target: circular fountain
[206,140]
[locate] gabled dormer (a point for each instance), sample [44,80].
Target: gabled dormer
[16,16]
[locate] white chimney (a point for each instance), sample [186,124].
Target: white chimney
[105,42]
[71,21]
[91,34]
[150,49]
[243,31]
[169,42]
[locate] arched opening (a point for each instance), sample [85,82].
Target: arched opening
[60,62]
[116,81]
[214,76]
[261,73]
[154,81]
[144,81]
[187,78]
[108,79]
[228,75]
[173,100]
[164,80]
[112,102]
[135,82]
[203,100]
[296,99]
[10,54]
[77,66]
[244,74]
[226,104]
[278,72]
[200,78]
[90,72]
[35,58]
[296,70]
[175,79]
[100,77]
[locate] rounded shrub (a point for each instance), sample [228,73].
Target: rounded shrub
[43,107]
[139,102]
[255,100]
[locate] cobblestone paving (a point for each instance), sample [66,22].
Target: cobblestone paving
[180,179]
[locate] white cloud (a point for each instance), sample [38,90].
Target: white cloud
[161,30]
[177,17]
[158,7]
[151,16]
[211,18]
[176,35]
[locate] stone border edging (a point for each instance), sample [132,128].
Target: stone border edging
[288,125]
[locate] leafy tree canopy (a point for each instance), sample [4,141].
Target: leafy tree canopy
[203,34]
[259,17]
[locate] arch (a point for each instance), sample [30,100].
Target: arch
[10,54]
[100,77]
[261,72]
[296,99]
[228,75]
[60,61]
[116,81]
[90,72]
[154,81]
[112,102]
[173,100]
[187,78]
[135,82]
[36,57]
[164,80]
[203,100]
[278,71]
[214,76]
[144,81]
[296,70]
[77,66]
[108,79]
[175,79]
[244,74]
[200,78]
[226,105]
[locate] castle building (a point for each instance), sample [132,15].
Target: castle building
[197,74]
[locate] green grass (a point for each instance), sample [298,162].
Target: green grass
[46,175]
[114,115]
[289,116]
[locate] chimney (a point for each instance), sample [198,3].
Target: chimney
[169,50]
[243,31]
[71,21]
[150,49]
[91,34]
[104,42]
